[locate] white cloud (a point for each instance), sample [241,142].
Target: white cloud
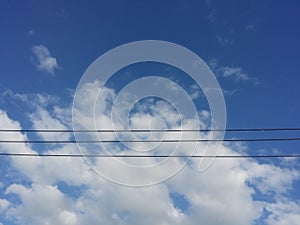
[31,33]
[224,41]
[266,179]
[45,204]
[212,16]
[250,27]
[3,205]
[43,59]
[42,119]
[284,212]
[195,92]
[229,92]
[208,2]
[236,73]
[223,194]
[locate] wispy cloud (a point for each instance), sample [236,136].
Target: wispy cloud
[224,41]
[31,33]
[212,16]
[236,73]
[211,11]
[208,2]
[250,27]
[43,60]
[229,92]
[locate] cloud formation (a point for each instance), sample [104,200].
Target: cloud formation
[236,73]
[250,27]
[67,191]
[225,41]
[43,60]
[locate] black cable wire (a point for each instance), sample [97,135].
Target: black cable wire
[145,141]
[151,130]
[148,141]
[147,156]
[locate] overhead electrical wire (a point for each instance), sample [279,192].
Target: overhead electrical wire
[147,156]
[149,130]
[146,141]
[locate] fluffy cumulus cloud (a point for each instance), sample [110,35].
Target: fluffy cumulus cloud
[46,205]
[68,191]
[3,205]
[43,60]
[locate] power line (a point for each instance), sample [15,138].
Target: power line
[147,141]
[150,130]
[147,156]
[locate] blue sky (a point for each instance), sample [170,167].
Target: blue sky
[251,46]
